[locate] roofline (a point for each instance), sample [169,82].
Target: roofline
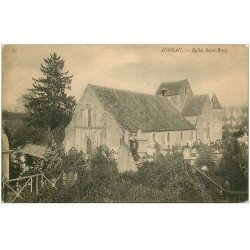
[89,85]
[214,95]
[207,97]
[172,130]
[129,91]
[184,80]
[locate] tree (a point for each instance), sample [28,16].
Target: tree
[47,103]
[234,164]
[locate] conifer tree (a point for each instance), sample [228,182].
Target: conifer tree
[48,105]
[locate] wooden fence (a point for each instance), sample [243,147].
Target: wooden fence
[18,185]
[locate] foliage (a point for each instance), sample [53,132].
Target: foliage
[205,157]
[47,102]
[165,179]
[18,133]
[103,167]
[235,156]
[161,179]
[171,175]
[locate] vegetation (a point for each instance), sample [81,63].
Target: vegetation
[234,164]
[165,179]
[48,104]
[19,134]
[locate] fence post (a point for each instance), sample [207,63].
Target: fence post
[37,185]
[31,184]
[42,180]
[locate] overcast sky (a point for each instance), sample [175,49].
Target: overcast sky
[138,68]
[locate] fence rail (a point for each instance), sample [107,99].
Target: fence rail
[37,179]
[227,192]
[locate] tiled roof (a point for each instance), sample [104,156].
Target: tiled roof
[193,106]
[215,102]
[172,88]
[134,111]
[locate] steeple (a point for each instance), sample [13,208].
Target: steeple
[215,102]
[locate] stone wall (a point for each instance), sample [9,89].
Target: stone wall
[205,123]
[103,129]
[166,138]
[217,124]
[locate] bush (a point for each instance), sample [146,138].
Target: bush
[205,158]
[234,164]
[103,166]
[165,179]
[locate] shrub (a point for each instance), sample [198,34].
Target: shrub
[173,178]
[205,158]
[103,166]
[234,164]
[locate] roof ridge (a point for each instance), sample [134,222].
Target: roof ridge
[215,102]
[124,90]
[184,80]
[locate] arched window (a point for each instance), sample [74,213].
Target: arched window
[208,130]
[181,135]
[154,137]
[89,117]
[168,137]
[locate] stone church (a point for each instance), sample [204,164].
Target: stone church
[174,115]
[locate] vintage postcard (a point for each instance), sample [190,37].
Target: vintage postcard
[124,123]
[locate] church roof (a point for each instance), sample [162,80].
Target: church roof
[172,88]
[193,106]
[134,111]
[215,102]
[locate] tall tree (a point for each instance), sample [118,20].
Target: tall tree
[47,103]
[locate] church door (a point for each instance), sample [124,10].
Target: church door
[89,146]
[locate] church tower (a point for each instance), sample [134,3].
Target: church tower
[217,119]
[177,92]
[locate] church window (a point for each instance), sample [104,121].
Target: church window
[181,135]
[89,117]
[168,137]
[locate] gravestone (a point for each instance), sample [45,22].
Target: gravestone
[125,161]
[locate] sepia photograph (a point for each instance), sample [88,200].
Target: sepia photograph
[125,123]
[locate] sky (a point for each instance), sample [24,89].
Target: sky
[210,69]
